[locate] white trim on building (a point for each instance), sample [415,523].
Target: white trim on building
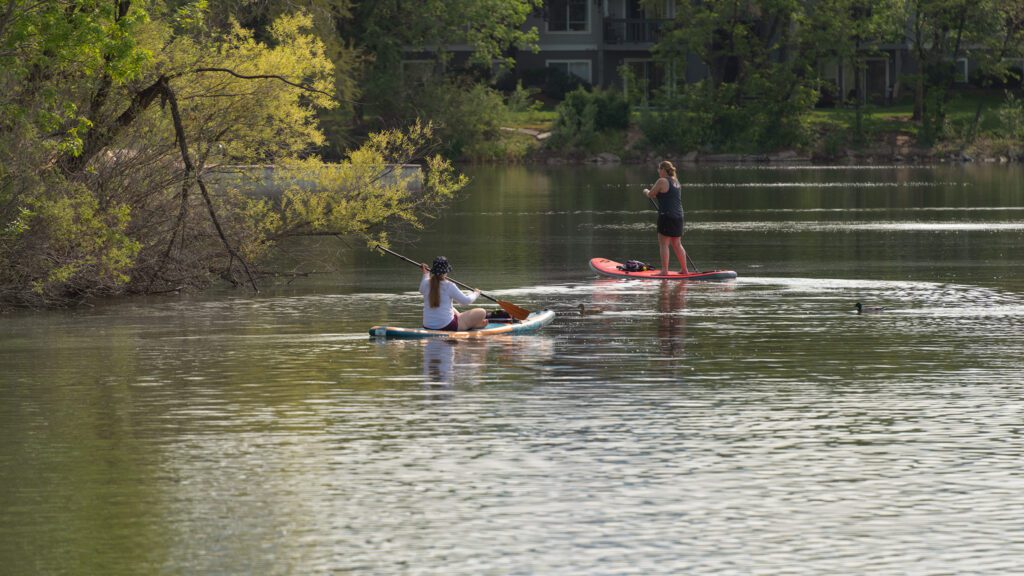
[569,22]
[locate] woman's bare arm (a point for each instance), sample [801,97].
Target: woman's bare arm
[659,187]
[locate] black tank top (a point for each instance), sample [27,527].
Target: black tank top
[671,203]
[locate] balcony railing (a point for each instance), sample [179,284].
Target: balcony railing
[633,30]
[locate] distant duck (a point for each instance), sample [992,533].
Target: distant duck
[861,309]
[584,311]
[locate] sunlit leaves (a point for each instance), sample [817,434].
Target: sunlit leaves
[373,191]
[83,241]
[49,50]
[254,119]
[98,188]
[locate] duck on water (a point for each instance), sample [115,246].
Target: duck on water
[862,309]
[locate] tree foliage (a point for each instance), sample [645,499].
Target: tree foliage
[113,119]
[760,70]
[851,31]
[388,31]
[368,194]
[584,113]
[760,57]
[989,32]
[327,17]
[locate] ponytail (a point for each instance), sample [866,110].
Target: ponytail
[434,298]
[438,269]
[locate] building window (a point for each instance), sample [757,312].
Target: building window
[578,68]
[568,15]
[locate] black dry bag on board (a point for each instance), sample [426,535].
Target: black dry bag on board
[634,266]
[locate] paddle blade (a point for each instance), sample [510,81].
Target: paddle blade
[513,310]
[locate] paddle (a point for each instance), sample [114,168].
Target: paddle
[687,253]
[513,310]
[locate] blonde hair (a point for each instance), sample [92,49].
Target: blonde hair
[668,168]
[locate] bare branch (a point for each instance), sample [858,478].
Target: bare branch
[305,87]
[97,140]
[179,130]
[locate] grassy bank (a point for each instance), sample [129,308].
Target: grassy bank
[886,133]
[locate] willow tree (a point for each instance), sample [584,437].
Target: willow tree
[113,116]
[328,17]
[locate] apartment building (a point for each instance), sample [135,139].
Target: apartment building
[595,39]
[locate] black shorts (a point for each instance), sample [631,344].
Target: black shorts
[670,226]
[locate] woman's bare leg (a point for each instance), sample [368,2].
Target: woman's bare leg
[663,249]
[677,247]
[470,319]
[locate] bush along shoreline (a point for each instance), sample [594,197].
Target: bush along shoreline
[600,127]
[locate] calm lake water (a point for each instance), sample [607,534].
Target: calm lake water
[753,427]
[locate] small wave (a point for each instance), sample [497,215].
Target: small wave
[819,226]
[650,211]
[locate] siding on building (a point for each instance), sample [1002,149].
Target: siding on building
[618,32]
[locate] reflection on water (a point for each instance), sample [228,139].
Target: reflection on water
[752,426]
[439,361]
[672,323]
[451,362]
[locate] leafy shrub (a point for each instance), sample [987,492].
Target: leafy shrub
[522,99]
[553,83]
[463,115]
[62,246]
[584,114]
[716,119]
[1011,116]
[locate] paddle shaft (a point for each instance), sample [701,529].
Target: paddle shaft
[688,259]
[418,264]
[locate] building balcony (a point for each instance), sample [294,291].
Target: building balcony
[633,32]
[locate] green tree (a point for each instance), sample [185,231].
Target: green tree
[59,64]
[387,30]
[115,116]
[584,114]
[1000,52]
[942,31]
[328,17]
[851,31]
[760,67]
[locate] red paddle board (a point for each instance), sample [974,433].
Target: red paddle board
[611,268]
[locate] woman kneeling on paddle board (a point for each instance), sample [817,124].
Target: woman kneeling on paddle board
[438,296]
[668,193]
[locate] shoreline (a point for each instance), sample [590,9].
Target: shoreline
[785,158]
[885,149]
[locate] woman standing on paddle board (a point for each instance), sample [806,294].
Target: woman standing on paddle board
[439,293]
[668,193]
